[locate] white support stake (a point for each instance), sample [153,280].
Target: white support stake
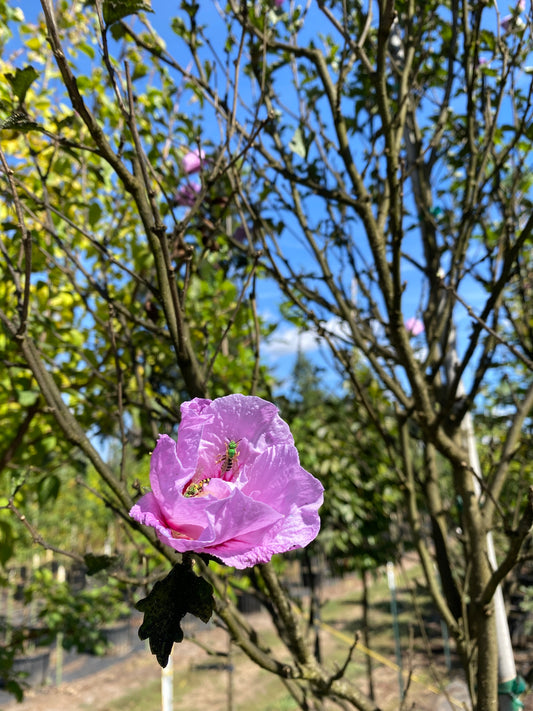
[167,679]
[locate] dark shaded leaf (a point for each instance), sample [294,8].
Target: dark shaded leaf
[14,688]
[96,563]
[7,542]
[170,599]
[48,489]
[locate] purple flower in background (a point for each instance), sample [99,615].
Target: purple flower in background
[278,3]
[192,161]
[414,326]
[187,194]
[232,485]
[513,22]
[507,23]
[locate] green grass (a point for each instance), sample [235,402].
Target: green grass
[147,698]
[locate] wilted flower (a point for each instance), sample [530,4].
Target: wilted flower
[187,194]
[414,326]
[513,22]
[192,161]
[506,23]
[240,234]
[232,485]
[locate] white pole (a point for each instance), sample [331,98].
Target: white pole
[167,675]
[395,626]
[61,577]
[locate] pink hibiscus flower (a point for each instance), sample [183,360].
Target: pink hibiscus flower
[232,485]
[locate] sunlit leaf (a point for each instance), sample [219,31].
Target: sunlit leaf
[21,81]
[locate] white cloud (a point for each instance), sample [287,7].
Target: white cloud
[289,340]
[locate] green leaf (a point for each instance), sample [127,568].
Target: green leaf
[87,49]
[117,32]
[27,398]
[21,81]
[49,443]
[170,599]
[48,489]
[34,43]
[19,121]
[14,688]
[297,143]
[95,213]
[115,10]
[300,143]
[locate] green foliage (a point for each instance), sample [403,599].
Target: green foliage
[91,288]
[79,615]
[13,682]
[168,602]
[338,444]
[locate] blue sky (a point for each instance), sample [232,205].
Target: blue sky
[280,351]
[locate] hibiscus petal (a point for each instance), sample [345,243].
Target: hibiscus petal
[148,512]
[276,476]
[168,475]
[237,416]
[239,517]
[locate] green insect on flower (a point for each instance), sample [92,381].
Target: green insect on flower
[196,488]
[229,458]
